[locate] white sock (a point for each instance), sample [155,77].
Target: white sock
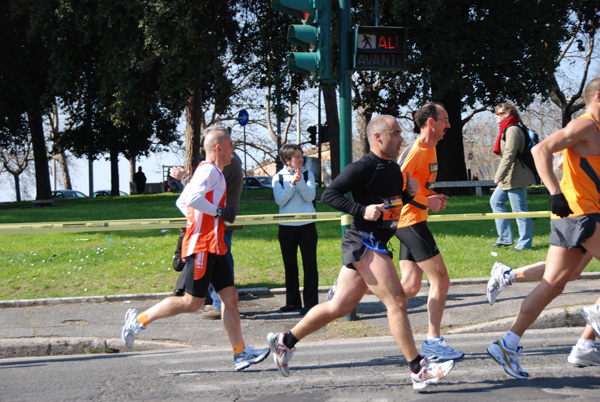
[512,276]
[585,344]
[511,340]
[432,338]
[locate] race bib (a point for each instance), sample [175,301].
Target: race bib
[391,215]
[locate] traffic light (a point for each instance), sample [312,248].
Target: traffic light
[314,34]
[323,135]
[312,130]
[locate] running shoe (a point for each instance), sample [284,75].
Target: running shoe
[592,316]
[331,291]
[584,358]
[430,373]
[438,349]
[508,358]
[500,279]
[132,327]
[249,356]
[281,353]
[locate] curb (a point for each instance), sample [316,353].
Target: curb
[35,347]
[554,318]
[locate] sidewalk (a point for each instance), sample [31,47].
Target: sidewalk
[93,324]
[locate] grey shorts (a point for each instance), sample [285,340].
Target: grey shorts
[355,245]
[573,232]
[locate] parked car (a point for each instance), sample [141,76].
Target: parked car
[106,193]
[68,194]
[257,183]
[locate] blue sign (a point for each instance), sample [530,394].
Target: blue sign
[243,117]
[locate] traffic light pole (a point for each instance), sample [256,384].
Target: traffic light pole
[345,75]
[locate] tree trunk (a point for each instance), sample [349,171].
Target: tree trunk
[333,127]
[64,169]
[114,172]
[364,117]
[450,150]
[40,155]
[17,187]
[194,152]
[132,167]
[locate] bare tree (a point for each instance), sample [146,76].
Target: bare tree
[16,161]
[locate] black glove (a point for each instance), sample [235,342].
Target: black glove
[559,205]
[227,214]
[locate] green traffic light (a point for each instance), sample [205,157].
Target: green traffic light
[306,63]
[303,35]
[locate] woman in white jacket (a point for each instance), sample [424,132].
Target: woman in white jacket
[294,189]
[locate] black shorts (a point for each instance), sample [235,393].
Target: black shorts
[205,268]
[355,245]
[573,232]
[416,243]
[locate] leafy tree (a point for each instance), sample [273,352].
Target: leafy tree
[469,56]
[24,77]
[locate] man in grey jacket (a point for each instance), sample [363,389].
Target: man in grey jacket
[512,177]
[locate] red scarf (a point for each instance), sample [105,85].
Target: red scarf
[509,121]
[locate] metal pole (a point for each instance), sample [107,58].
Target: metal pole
[245,165]
[319,137]
[345,101]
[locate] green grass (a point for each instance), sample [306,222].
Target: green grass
[103,263]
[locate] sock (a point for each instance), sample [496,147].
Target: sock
[142,319]
[239,348]
[585,344]
[511,276]
[290,340]
[511,340]
[431,339]
[415,365]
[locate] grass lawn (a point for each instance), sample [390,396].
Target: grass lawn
[103,263]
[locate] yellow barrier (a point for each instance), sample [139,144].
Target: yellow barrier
[171,223]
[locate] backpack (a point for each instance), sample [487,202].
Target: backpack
[305,179]
[531,139]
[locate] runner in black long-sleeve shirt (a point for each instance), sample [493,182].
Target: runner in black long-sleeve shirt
[377,187]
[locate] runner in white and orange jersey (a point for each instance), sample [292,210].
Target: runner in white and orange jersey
[203,203]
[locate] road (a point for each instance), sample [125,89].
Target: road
[359,369]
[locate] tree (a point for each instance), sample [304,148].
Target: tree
[459,56]
[585,23]
[24,85]
[15,149]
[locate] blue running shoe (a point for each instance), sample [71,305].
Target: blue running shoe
[438,349]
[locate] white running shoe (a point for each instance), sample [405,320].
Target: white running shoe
[331,291]
[592,316]
[249,356]
[508,358]
[438,349]
[132,327]
[500,279]
[281,353]
[430,373]
[584,358]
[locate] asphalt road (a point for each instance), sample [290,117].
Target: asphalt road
[364,369]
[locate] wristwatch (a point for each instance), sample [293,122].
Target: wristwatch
[219,212]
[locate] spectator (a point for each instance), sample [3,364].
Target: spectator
[512,177]
[475,177]
[140,181]
[294,189]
